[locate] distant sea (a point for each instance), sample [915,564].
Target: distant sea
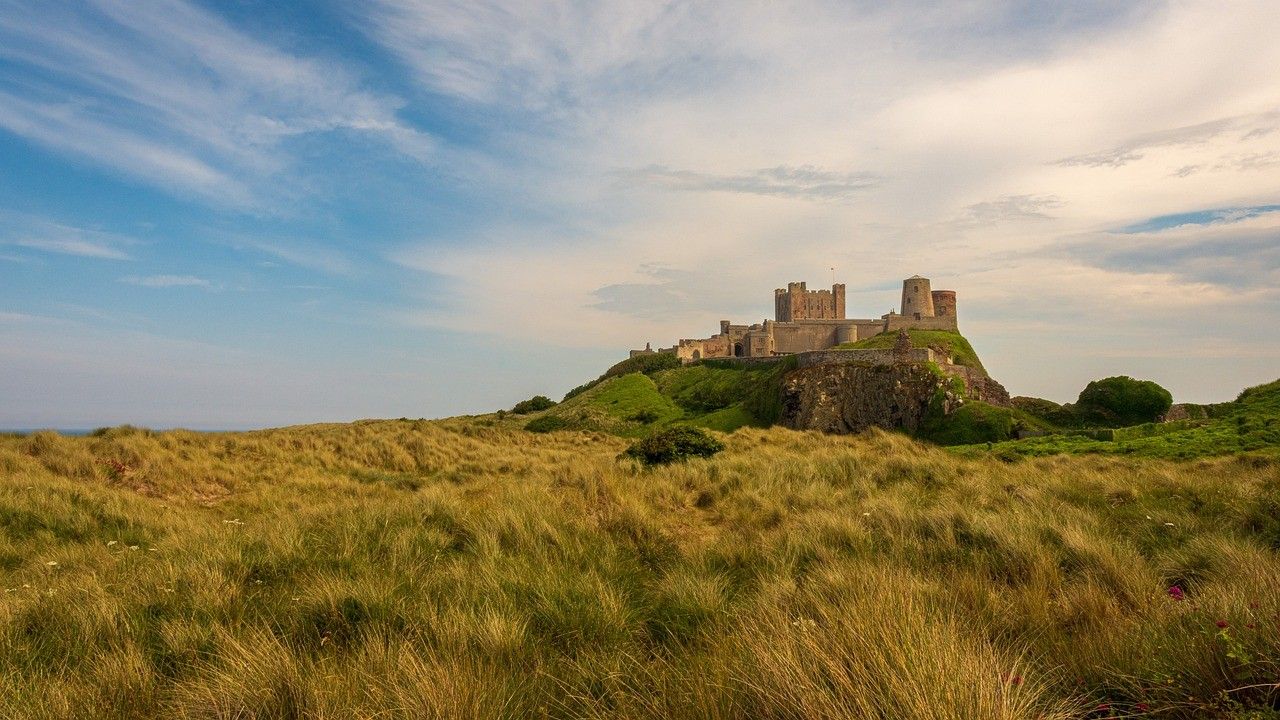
[77,432]
[60,431]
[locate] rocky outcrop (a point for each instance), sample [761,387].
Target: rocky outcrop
[848,398]
[979,386]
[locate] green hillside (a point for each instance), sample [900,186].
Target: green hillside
[720,396]
[953,342]
[1250,424]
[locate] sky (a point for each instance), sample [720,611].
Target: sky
[249,213]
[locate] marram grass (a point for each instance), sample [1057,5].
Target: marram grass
[453,570]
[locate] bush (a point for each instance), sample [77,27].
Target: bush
[679,443]
[644,417]
[1121,400]
[534,404]
[546,423]
[1047,410]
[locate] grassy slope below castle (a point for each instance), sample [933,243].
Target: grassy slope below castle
[952,342]
[459,569]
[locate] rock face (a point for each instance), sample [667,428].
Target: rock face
[847,398]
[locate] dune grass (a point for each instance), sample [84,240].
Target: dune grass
[466,569]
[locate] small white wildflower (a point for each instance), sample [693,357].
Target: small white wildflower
[866,514]
[152,550]
[133,547]
[112,542]
[1168,524]
[168,590]
[1148,517]
[52,563]
[9,590]
[233,521]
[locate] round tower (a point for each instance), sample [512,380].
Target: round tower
[944,303]
[917,298]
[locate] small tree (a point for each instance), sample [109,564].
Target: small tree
[679,443]
[534,404]
[1121,400]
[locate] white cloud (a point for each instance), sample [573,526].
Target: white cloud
[165,281]
[171,94]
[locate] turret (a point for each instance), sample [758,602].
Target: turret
[917,298]
[944,303]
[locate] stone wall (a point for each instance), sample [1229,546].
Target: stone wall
[900,322]
[866,356]
[801,336]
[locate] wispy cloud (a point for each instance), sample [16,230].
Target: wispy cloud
[311,256]
[1010,208]
[1248,127]
[172,94]
[165,281]
[72,246]
[806,182]
[30,232]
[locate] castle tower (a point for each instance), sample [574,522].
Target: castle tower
[944,303]
[917,298]
[797,301]
[837,297]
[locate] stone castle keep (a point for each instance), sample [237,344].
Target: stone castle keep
[808,320]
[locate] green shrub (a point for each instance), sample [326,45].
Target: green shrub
[1047,411]
[643,417]
[680,443]
[547,423]
[534,404]
[1121,400]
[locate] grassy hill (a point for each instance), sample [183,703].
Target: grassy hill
[719,396]
[1249,424]
[409,569]
[952,342]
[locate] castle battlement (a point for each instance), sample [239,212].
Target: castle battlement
[810,320]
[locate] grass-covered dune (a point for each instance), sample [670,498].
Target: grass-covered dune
[459,569]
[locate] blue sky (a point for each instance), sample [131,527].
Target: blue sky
[245,214]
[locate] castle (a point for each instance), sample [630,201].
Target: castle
[807,320]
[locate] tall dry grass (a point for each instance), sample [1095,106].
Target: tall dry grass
[457,570]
